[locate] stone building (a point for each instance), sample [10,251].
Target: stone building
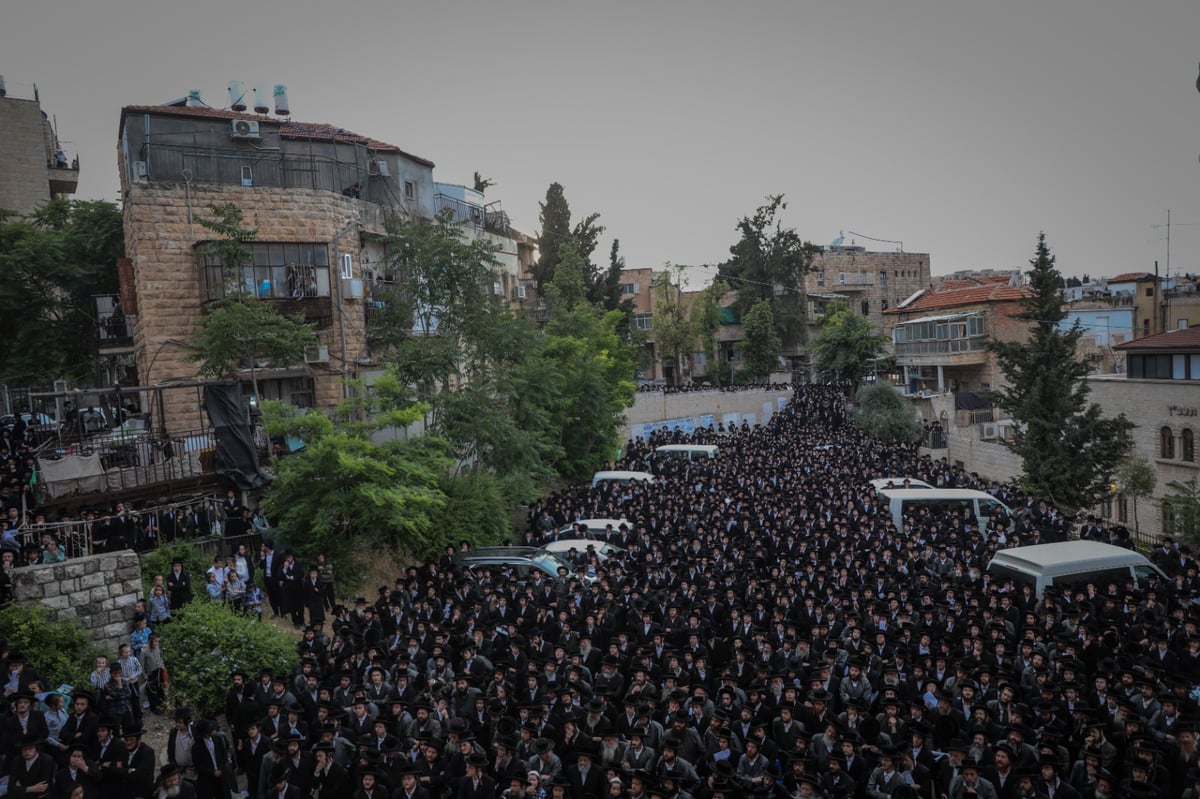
[869,282]
[318,196]
[1160,393]
[34,167]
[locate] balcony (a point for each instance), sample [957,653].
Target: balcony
[64,175]
[946,352]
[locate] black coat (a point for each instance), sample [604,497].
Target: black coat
[21,776]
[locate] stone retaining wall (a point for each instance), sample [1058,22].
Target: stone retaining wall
[99,591]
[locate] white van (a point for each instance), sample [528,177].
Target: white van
[592,527]
[1071,565]
[898,482]
[691,452]
[619,476]
[909,502]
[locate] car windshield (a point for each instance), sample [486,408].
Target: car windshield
[551,562]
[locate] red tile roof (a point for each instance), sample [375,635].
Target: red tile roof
[953,298]
[288,128]
[1186,339]
[1130,277]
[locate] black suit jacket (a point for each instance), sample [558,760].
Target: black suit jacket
[22,775]
[89,779]
[486,790]
[594,784]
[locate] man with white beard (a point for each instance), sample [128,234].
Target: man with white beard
[171,784]
[612,751]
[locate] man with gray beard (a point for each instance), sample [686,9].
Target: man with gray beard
[171,784]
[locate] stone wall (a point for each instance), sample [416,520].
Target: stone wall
[99,591]
[656,406]
[874,277]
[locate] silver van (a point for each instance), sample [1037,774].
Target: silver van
[1071,565]
[910,501]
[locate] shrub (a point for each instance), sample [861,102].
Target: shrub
[158,561]
[60,650]
[475,512]
[206,641]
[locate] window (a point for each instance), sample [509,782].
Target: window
[628,288]
[1122,508]
[273,270]
[1106,509]
[821,278]
[1145,327]
[883,280]
[643,321]
[1183,324]
[1188,446]
[1179,367]
[1149,291]
[1166,443]
[410,190]
[866,307]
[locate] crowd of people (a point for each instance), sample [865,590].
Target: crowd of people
[664,388]
[764,630]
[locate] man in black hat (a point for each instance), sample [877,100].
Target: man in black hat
[211,761]
[133,770]
[80,726]
[78,771]
[886,777]
[25,719]
[172,785]
[279,780]
[31,773]
[475,784]
[585,776]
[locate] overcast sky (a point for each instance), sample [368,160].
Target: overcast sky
[958,128]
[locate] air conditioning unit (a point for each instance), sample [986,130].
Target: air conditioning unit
[244,129]
[352,289]
[519,292]
[988,432]
[497,289]
[316,354]
[380,168]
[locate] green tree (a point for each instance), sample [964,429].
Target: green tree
[760,343]
[593,383]
[51,264]
[1069,450]
[60,649]
[557,230]
[769,263]
[846,346]
[240,331]
[441,273]
[1181,510]
[674,334]
[1136,479]
[706,317]
[205,641]
[248,333]
[567,289]
[882,411]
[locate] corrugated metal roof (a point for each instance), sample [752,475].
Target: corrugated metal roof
[943,318]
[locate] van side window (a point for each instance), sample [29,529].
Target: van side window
[1142,574]
[1100,578]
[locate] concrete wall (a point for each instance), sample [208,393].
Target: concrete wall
[24,184]
[656,406]
[99,591]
